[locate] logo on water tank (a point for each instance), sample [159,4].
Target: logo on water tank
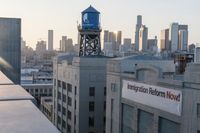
[85,18]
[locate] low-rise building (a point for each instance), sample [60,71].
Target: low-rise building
[143,99]
[46,107]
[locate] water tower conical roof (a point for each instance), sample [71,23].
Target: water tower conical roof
[90,9]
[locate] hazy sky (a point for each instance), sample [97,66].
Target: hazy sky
[62,15]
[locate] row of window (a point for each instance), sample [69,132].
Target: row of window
[92,91]
[145,122]
[65,86]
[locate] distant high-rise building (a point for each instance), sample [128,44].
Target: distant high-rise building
[40,47]
[106,36]
[174,36]
[164,40]
[197,54]
[143,37]
[23,44]
[66,44]
[50,40]
[137,30]
[183,40]
[152,45]
[119,40]
[119,37]
[178,37]
[63,43]
[10,48]
[69,47]
[191,48]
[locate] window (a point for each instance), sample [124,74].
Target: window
[91,121]
[59,107]
[104,91]
[59,120]
[74,119]
[59,83]
[91,106]
[63,110]
[69,115]
[127,119]
[198,109]
[168,126]
[92,91]
[63,124]
[104,105]
[59,95]
[64,98]
[111,121]
[75,104]
[69,101]
[113,87]
[69,87]
[75,90]
[64,85]
[68,128]
[145,122]
[54,82]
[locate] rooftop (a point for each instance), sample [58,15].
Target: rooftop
[138,57]
[4,80]
[18,113]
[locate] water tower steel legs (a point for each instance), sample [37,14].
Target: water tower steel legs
[90,43]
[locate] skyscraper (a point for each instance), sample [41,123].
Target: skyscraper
[63,43]
[174,36]
[183,40]
[164,40]
[179,37]
[10,48]
[50,40]
[106,36]
[137,30]
[143,38]
[119,40]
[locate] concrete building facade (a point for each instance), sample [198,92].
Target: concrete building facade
[129,110]
[79,94]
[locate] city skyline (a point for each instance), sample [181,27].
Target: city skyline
[62,17]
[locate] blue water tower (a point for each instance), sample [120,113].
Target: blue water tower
[90,19]
[89,33]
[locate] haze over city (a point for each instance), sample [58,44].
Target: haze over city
[62,16]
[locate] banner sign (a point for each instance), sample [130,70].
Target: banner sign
[169,100]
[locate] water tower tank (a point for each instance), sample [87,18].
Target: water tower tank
[90,19]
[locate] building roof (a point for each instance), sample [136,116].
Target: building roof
[18,114]
[23,116]
[4,80]
[14,92]
[139,57]
[90,9]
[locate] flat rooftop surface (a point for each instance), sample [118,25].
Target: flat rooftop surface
[13,92]
[22,116]
[4,79]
